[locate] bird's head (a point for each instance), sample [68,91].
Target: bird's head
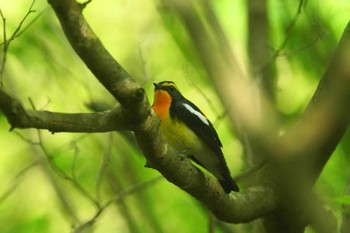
[165,93]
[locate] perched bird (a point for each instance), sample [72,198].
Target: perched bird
[188,131]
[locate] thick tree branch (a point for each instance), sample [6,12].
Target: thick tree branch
[259,52]
[19,117]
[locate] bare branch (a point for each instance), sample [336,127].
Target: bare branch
[258,40]
[19,117]
[104,164]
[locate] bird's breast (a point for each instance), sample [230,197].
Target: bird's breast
[161,105]
[179,136]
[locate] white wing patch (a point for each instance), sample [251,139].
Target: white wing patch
[198,114]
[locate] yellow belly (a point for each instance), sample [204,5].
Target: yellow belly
[185,141]
[179,136]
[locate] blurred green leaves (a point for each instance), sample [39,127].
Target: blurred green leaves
[150,41]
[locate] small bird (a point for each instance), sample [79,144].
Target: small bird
[189,131]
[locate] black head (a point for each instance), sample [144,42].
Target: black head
[169,87]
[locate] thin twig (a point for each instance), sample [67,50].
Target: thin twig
[288,30]
[105,162]
[20,32]
[88,224]
[60,192]
[32,22]
[64,175]
[250,171]
[7,42]
[2,66]
[17,30]
[61,172]
[83,5]
[17,179]
[27,140]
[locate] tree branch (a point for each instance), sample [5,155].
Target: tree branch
[19,117]
[258,40]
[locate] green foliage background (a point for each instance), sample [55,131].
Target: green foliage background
[36,189]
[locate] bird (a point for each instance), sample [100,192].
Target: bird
[189,131]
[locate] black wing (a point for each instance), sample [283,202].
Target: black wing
[203,129]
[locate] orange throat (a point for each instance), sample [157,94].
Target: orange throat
[161,105]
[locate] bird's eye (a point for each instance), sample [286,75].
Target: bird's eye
[172,88]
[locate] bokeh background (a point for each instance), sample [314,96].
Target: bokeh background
[59,182]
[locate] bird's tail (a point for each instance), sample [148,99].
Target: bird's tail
[228,184]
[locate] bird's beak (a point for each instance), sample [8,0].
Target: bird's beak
[157,86]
